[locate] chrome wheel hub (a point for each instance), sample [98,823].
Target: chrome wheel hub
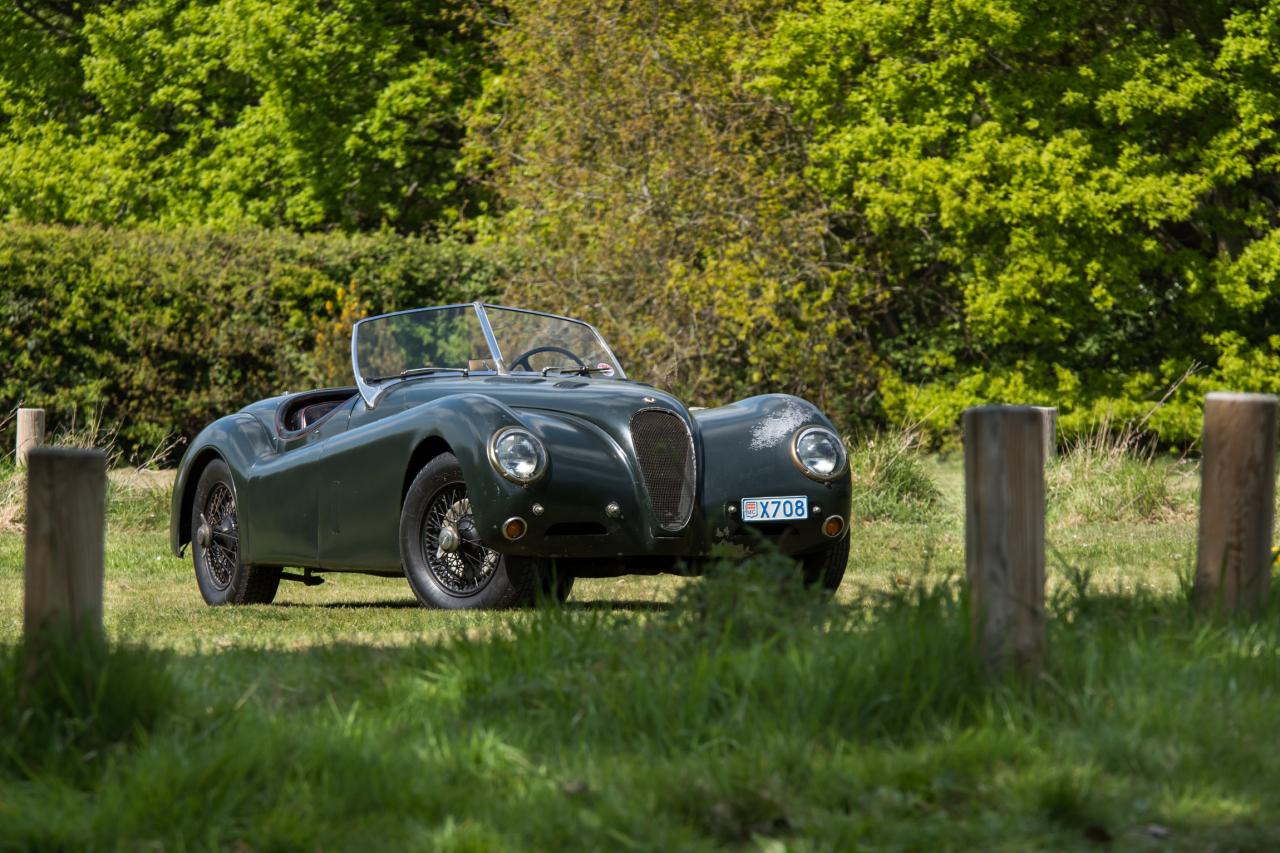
[219,536]
[449,541]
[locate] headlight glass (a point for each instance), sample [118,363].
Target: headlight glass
[819,453]
[517,455]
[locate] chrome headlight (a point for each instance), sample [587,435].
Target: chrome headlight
[817,452]
[517,455]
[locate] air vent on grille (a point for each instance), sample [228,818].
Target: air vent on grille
[664,449]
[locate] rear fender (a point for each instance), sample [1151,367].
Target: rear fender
[238,440]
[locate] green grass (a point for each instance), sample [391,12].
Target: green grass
[653,713]
[891,480]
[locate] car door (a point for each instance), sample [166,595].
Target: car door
[363,471]
[289,483]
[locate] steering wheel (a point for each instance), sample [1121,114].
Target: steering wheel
[524,356]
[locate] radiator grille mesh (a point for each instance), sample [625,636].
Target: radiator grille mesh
[665,452]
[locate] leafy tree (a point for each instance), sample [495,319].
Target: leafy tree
[646,184]
[1071,202]
[310,115]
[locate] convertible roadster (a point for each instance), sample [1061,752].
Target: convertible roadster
[492,455]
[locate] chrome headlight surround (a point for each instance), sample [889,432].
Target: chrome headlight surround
[496,454]
[840,464]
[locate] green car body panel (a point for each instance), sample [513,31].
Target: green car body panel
[329,496]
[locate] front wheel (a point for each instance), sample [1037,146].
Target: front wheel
[215,545]
[554,582]
[827,566]
[447,565]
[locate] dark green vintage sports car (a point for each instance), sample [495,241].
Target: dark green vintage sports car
[492,455]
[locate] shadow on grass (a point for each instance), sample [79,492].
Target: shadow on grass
[636,605]
[397,604]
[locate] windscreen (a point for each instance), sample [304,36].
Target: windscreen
[536,342]
[388,346]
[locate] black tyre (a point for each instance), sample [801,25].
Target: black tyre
[446,563]
[827,566]
[554,583]
[215,545]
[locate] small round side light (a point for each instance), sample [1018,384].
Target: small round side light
[833,526]
[514,528]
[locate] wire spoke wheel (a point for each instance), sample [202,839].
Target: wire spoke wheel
[222,553]
[451,545]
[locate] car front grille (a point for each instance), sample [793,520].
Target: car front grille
[664,449]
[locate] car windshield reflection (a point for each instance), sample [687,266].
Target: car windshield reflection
[541,343]
[474,339]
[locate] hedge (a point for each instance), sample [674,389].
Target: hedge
[162,331]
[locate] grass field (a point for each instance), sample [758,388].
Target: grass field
[659,713]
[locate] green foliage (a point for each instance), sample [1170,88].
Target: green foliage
[647,186]
[162,332]
[757,597]
[897,209]
[67,706]
[890,480]
[868,728]
[1070,202]
[1106,478]
[236,112]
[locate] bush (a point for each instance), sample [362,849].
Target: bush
[1063,202]
[1105,478]
[75,701]
[162,332]
[890,482]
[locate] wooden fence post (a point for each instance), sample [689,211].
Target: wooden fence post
[1004,534]
[30,433]
[66,526]
[1049,424]
[1237,501]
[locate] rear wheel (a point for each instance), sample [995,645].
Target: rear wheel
[827,566]
[446,563]
[215,545]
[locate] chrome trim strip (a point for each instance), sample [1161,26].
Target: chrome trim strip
[490,338]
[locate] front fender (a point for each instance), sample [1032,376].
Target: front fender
[466,422]
[747,448]
[586,466]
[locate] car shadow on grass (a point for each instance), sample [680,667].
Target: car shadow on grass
[638,605]
[396,604]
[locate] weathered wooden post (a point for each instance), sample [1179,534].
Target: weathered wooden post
[66,526]
[1237,501]
[1049,424]
[1004,534]
[30,433]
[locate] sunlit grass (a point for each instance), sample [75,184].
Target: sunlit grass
[657,713]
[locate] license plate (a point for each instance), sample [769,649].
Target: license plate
[775,509]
